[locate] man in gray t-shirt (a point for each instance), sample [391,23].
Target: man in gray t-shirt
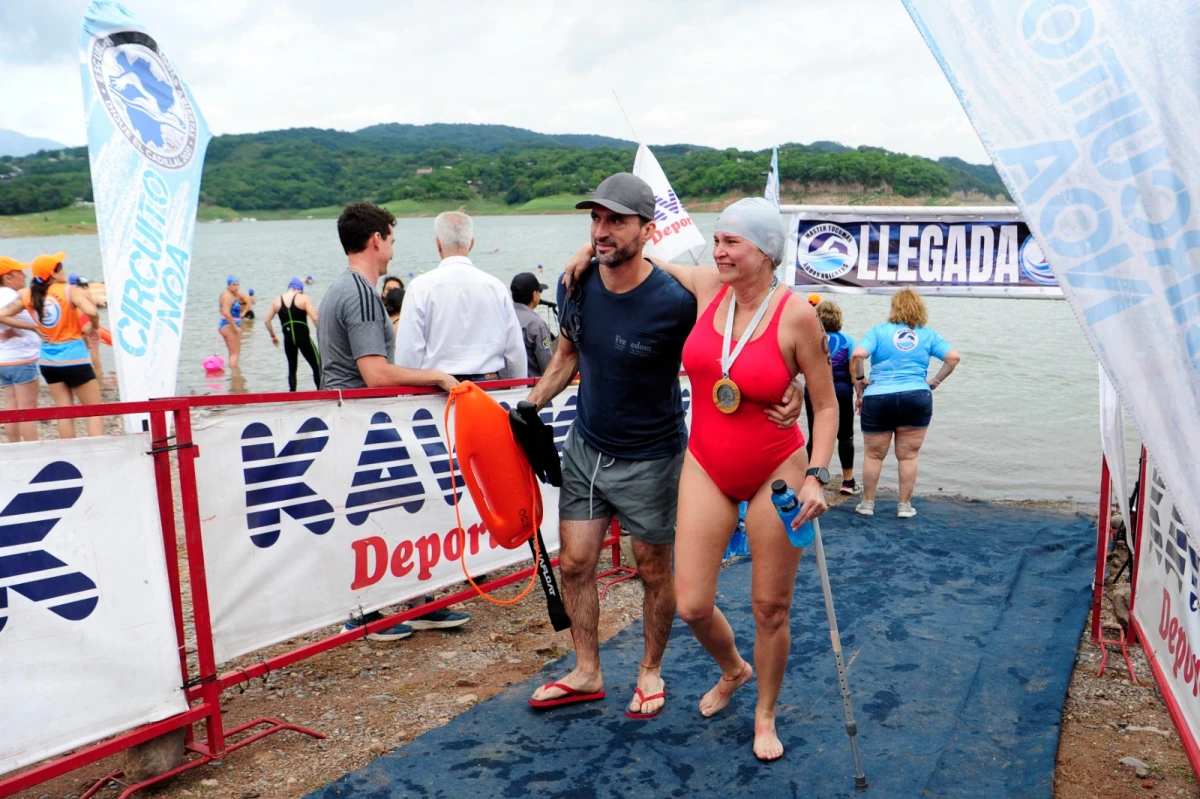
[353,323]
[357,340]
[355,335]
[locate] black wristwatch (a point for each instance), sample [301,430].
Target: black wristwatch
[819,472]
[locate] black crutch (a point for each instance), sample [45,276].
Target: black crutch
[860,779]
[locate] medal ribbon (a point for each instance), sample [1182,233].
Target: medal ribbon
[727,358]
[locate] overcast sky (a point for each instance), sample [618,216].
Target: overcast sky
[723,73]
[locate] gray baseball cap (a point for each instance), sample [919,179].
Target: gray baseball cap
[623,193]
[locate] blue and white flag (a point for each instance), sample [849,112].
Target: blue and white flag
[1089,110]
[772,192]
[146,142]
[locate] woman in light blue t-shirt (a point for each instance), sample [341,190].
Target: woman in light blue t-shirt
[897,399]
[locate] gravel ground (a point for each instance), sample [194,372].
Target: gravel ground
[370,698]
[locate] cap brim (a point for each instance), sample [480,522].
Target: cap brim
[609,204]
[542,287]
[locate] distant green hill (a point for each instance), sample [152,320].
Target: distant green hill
[304,168]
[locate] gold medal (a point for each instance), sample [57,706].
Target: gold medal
[726,395]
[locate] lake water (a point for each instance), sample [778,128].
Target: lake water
[1017,420]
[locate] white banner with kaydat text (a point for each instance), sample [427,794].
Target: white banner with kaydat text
[87,633]
[313,513]
[1089,112]
[1166,605]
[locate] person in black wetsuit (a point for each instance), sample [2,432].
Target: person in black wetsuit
[293,308]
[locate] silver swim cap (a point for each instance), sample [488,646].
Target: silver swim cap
[757,221]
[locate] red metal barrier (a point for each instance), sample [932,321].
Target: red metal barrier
[205,710]
[204,690]
[1103,540]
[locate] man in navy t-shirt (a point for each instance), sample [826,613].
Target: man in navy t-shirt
[623,328]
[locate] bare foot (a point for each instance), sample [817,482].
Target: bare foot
[767,745]
[715,700]
[584,683]
[650,682]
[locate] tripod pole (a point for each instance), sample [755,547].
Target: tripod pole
[860,779]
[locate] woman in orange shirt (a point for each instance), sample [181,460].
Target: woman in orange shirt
[65,363]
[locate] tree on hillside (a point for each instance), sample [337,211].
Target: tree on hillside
[309,168]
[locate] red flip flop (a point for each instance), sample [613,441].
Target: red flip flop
[574,696]
[660,695]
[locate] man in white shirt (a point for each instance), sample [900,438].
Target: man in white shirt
[458,318]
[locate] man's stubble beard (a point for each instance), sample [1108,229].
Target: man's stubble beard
[621,255]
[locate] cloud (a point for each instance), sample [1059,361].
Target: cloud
[724,73]
[41,32]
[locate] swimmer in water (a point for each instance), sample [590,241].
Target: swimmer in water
[230,305]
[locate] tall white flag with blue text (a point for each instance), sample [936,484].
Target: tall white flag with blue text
[772,192]
[674,232]
[146,142]
[1089,109]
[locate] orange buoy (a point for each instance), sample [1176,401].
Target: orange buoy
[494,467]
[497,474]
[814,299]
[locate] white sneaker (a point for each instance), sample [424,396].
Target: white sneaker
[905,510]
[866,507]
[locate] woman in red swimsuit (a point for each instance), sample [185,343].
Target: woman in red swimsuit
[734,454]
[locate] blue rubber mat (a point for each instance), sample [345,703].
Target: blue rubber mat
[961,625]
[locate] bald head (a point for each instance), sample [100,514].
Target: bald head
[454,232]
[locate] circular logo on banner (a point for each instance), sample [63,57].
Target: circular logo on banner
[905,339]
[1034,264]
[826,252]
[144,97]
[51,313]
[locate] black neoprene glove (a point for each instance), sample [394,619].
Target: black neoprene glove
[537,439]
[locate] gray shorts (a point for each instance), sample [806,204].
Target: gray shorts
[642,495]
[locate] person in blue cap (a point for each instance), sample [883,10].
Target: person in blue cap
[248,312]
[294,308]
[230,325]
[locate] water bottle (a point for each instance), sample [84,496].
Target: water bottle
[738,543]
[788,505]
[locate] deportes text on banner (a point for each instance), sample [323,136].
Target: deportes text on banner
[87,631]
[338,511]
[1078,103]
[965,252]
[675,233]
[146,142]
[1167,606]
[772,190]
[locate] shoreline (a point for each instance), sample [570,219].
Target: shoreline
[81,220]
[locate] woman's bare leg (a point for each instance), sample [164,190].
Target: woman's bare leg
[704,525]
[89,394]
[62,399]
[10,403]
[774,562]
[233,342]
[908,446]
[26,396]
[876,446]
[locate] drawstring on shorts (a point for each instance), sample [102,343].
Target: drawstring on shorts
[592,485]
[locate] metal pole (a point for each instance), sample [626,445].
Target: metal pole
[860,779]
